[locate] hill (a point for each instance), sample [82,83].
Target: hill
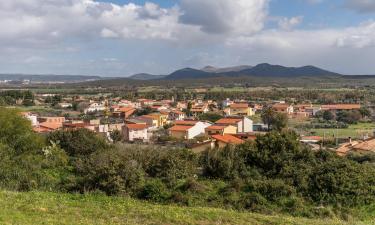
[189,73]
[260,70]
[211,69]
[269,70]
[66,209]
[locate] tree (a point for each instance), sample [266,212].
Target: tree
[116,136]
[365,112]
[279,121]
[328,115]
[78,143]
[274,120]
[16,132]
[267,116]
[188,109]
[212,117]
[349,117]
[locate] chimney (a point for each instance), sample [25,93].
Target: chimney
[350,140]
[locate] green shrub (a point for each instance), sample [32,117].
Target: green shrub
[154,190]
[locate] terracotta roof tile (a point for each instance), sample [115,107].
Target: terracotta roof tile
[228,121]
[136,126]
[215,127]
[186,122]
[229,139]
[180,128]
[239,105]
[341,107]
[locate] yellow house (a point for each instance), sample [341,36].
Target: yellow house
[159,120]
[220,129]
[240,109]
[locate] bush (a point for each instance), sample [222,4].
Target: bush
[78,143]
[154,190]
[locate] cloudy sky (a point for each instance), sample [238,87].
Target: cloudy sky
[123,37]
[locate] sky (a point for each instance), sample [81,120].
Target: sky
[125,37]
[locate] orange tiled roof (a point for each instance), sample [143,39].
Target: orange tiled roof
[178,112]
[125,109]
[152,116]
[41,129]
[229,139]
[180,128]
[342,106]
[368,145]
[280,106]
[215,127]
[239,105]
[52,126]
[186,122]
[136,126]
[228,121]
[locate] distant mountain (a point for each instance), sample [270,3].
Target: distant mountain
[189,73]
[260,70]
[211,69]
[146,76]
[269,70]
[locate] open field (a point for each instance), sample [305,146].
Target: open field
[49,208]
[354,131]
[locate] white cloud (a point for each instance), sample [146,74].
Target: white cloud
[289,23]
[225,16]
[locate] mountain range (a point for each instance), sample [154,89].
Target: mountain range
[260,70]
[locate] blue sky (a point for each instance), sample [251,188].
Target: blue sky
[123,37]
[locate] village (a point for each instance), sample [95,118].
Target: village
[195,124]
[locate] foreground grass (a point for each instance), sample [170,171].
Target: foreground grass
[65,209]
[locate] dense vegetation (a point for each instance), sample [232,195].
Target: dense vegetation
[274,174]
[13,97]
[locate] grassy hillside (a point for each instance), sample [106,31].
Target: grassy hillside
[49,208]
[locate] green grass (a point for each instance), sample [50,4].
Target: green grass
[67,209]
[354,131]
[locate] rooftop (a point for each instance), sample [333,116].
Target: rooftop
[180,128]
[229,139]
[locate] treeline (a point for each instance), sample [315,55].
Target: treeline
[13,97]
[293,96]
[275,173]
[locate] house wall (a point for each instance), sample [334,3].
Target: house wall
[247,125]
[198,129]
[148,121]
[203,147]
[178,134]
[230,130]
[136,135]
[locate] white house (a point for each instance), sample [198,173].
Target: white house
[243,124]
[188,130]
[95,107]
[33,118]
[227,102]
[133,132]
